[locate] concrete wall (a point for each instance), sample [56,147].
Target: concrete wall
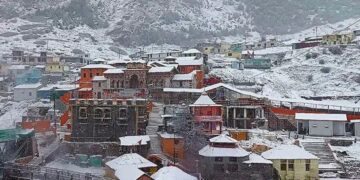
[25,94]
[339,128]
[357,129]
[321,128]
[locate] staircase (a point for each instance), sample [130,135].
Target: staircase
[276,123]
[154,121]
[320,148]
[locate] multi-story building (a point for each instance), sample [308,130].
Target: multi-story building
[224,159]
[207,115]
[107,119]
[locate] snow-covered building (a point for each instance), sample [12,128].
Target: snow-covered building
[192,53]
[356,124]
[184,80]
[25,92]
[172,173]
[129,166]
[137,144]
[223,158]
[293,162]
[207,114]
[321,124]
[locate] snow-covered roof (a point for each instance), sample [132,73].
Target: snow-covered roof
[59,87]
[355,121]
[204,100]
[183,90]
[223,138]
[288,152]
[256,159]
[167,135]
[131,159]
[210,151]
[28,86]
[99,60]
[320,117]
[191,51]
[161,69]
[128,173]
[189,62]
[172,173]
[18,67]
[99,78]
[118,61]
[114,71]
[248,93]
[99,66]
[134,140]
[183,77]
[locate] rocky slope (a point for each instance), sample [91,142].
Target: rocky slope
[142,22]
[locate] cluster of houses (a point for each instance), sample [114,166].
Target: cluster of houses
[107,107]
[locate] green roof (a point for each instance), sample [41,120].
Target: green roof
[14,134]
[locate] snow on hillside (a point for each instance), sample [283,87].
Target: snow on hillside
[13,113]
[304,77]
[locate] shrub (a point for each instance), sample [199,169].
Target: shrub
[325,70]
[321,61]
[335,50]
[308,55]
[309,78]
[314,55]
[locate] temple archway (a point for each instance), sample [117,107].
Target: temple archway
[134,81]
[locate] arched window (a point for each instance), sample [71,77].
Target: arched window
[98,113]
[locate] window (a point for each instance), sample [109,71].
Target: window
[91,75]
[99,84]
[176,141]
[229,54]
[232,167]
[98,113]
[97,74]
[219,168]
[107,113]
[232,159]
[122,113]
[84,75]
[218,159]
[82,112]
[307,165]
[283,165]
[30,94]
[290,165]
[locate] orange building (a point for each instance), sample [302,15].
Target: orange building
[207,114]
[172,145]
[187,65]
[87,74]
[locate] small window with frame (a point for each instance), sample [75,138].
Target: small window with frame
[107,113]
[218,159]
[283,165]
[290,165]
[122,113]
[307,164]
[98,113]
[82,112]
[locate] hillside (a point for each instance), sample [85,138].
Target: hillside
[143,22]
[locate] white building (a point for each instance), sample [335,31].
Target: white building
[26,92]
[172,173]
[321,124]
[184,80]
[356,127]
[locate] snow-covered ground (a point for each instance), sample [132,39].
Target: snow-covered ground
[13,112]
[300,76]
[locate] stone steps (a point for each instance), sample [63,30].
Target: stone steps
[327,162]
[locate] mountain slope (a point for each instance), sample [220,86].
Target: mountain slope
[142,22]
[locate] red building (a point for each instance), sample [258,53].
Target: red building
[87,74]
[207,115]
[187,65]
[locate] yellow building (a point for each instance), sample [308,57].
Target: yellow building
[293,163]
[338,38]
[54,65]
